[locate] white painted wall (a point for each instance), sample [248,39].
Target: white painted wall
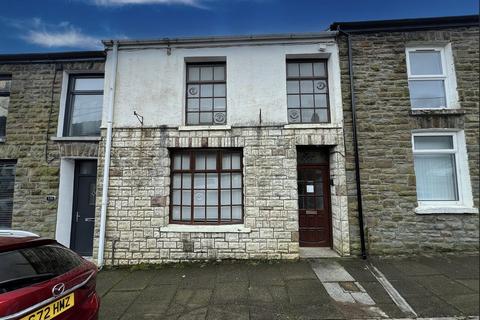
[153,83]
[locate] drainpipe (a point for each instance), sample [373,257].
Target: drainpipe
[106,165]
[355,147]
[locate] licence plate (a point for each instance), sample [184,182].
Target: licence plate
[53,309]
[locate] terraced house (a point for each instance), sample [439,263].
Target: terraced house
[50,114]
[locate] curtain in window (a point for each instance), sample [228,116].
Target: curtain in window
[436,178]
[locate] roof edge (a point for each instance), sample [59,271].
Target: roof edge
[46,57]
[406,24]
[222,39]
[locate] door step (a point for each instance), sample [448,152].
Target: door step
[317,253]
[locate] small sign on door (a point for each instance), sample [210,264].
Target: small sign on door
[310,188]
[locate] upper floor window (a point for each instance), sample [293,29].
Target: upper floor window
[206,94]
[207,187]
[83,112]
[307,91]
[441,169]
[5,84]
[7,186]
[430,82]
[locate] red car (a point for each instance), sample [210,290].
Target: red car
[41,279]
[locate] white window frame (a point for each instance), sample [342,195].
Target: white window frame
[448,73]
[464,204]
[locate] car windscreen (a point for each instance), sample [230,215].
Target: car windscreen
[27,266]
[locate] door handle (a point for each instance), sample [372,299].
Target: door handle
[89,219]
[77,216]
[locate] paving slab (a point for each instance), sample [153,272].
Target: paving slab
[107,279]
[135,280]
[116,303]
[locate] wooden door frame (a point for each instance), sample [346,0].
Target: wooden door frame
[326,186]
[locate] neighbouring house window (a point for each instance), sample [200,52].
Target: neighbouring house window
[206,187]
[431,84]
[307,91]
[7,183]
[83,113]
[206,94]
[5,84]
[439,167]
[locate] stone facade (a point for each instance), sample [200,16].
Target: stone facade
[385,123]
[31,123]
[138,211]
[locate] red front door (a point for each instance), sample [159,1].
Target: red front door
[314,205]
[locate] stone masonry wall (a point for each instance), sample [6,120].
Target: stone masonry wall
[29,119]
[384,127]
[140,186]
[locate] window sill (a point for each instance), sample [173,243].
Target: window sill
[311,126]
[445,210]
[70,139]
[437,112]
[231,228]
[199,128]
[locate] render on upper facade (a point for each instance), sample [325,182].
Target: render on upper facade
[50,115]
[225,148]
[416,88]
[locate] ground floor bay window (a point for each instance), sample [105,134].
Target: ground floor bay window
[441,170]
[206,186]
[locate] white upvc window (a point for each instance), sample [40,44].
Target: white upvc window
[431,77]
[441,171]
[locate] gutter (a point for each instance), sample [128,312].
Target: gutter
[106,165]
[355,146]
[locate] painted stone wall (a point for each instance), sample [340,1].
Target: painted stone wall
[31,122]
[140,184]
[384,127]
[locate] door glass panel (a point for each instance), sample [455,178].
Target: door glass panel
[92,194]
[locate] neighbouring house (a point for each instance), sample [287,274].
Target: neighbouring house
[50,115]
[224,147]
[416,99]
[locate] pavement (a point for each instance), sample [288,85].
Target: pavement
[333,288]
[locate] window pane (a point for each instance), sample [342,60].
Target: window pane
[322,115]
[308,116]
[185,161]
[193,118]
[225,197]
[211,161]
[199,213]
[212,181]
[199,197]
[200,161]
[206,104]
[321,101]
[425,63]
[212,213]
[7,184]
[237,212]
[292,86]
[176,213]
[187,183]
[193,90]
[236,180]
[206,118]
[176,197]
[219,117]
[206,73]
[225,212]
[319,69]
[235,160]
[219,90]
[219,73]
[177,162]
[206,90]
[193,73]
[293,101]
[86,115]
[427,93]
[176,181]
[186,197]
[199,179]
[306,70]
[212,198]
[294,115]
[433,142]
[320,86]
[236,196]
[436,177]
[91,84]
[219,104]
[186,213]
[306,86]
[226,161]
[292,70]
[4,102]
[225,180]
[307,100]
[193,104]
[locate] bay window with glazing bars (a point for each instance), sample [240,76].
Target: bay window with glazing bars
[206,186]
[307,91]
[206,96]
